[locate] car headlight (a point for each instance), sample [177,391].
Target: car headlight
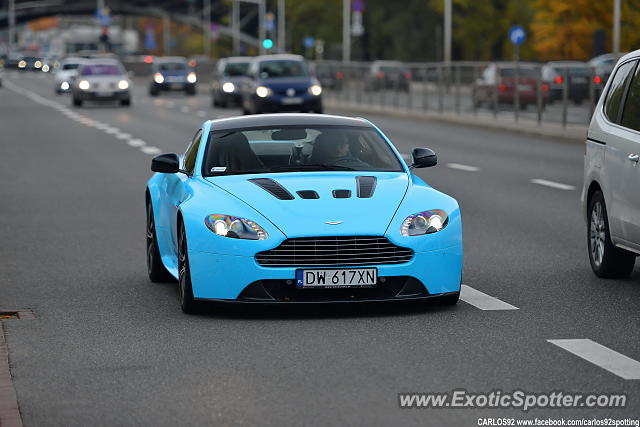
[262,91]
[22,64]
[426,222]
[123,84]
[45,68]
[235,227]
[64,86]
[191,77]
[315,90]
[228,87]
[158,78]
[37,64]
[84,85]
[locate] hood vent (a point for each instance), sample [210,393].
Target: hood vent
[273,187]
[366,186]
[341,194]
[308,194]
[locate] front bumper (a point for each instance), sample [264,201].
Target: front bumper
[217,276]
[97,96]
[275,103]
[170,86]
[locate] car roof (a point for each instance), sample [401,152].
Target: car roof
[286,119]
[73,60]
[170,59]
[629,55]
[278,57]
[567,63]
[237,59]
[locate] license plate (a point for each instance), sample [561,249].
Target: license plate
[292,101]
[579,80]
[524,87]
[104,94]
[176,85]
[340,278]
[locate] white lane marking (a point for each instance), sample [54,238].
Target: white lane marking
[552,184]
[614,362]
[136,142]
[461,167]
[483,301]
[123,135]
[184,109]
[111,130]
[202,113]
[151,150]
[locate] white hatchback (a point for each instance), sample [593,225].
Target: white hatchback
[611,191]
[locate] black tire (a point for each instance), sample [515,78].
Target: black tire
[153,92]
[77,102]
[606,260]
[185,291]
[214,101]
[191,92]
[156,269]
[451,299]
[125,102]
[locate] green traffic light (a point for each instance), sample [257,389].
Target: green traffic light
[267,43]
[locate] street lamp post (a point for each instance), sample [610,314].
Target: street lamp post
[206,24]
[12,24]
[262,11]
[447,31]
[281,26]
[616,27]
[346,30]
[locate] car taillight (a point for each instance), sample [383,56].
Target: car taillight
[502,87]
[339,75]
[380,75]
[407,75]
[597,80]
[148,59]
[192,63]
[558,80]
[545,88]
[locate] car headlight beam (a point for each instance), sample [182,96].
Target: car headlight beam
[228,87]
[191,77]
[315,90]
[235,227]
[263,91]
[427,222]
[158,78]
[64,86]
[123,84]
[84,85]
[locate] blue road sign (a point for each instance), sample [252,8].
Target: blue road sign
[517,35]
[308,42]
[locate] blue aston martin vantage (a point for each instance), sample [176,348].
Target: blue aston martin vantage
[299,208]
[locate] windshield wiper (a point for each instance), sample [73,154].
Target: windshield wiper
[312,167]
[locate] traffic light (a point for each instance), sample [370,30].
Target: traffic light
[267,43]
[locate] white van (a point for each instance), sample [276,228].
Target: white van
[611,191]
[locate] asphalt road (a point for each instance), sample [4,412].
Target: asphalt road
[110,348]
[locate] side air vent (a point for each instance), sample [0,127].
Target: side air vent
[273,187]
[366,186]
[341,194]
[308,194]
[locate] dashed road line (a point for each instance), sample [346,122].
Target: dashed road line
[461,167]
[553,184]
[483,301]
[202,113]
[601,356]
[184,109]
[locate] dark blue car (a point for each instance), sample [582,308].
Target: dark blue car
[281,83]
[172,74]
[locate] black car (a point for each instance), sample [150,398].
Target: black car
[30,63]
[578,75]
[280,83]
[172,74]
[228,76]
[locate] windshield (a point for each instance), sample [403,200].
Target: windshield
[100,70]
[298,149]
[573,71]
[522,72]
[236,69]
[172,66]
[284,68]
[70,66]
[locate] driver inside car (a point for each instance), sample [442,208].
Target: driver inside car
[335,149]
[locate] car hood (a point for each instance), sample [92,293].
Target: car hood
[310,217]
[281,84]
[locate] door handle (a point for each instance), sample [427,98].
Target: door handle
[634,158]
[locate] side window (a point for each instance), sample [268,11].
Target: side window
[617,90]
[631,111]
[192,152]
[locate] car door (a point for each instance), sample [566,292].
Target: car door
[177,185]
[629,141]
[618,168]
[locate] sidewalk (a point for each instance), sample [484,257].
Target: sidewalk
[572,132]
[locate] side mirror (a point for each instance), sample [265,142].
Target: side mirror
[424,158]
[166,163]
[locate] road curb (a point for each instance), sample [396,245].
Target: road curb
[9,412]
[572,133]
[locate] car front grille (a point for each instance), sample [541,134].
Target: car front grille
[338,251]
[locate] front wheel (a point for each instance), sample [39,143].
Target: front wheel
[156,269]
[607,261]
[125,102]
[77,102]
[187,302]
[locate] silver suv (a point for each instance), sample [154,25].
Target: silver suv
[611,192]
